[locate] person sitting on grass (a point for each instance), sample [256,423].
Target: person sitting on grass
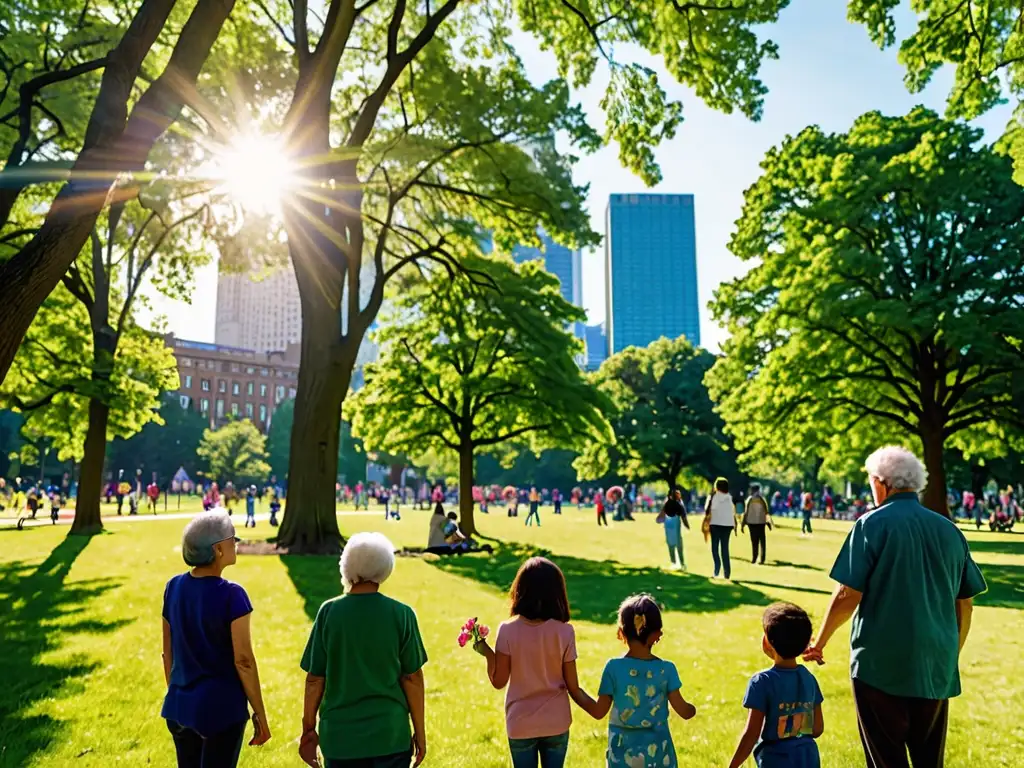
[366,684]
[535,656]
[209,664]
[638,689]
[784,701]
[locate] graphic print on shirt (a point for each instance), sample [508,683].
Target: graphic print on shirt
[795,719]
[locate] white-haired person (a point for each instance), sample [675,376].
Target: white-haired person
[209,664]
[907,574]
[364,669]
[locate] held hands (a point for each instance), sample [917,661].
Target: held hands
[815,653]
[260,730]
[482,648]
[308,745]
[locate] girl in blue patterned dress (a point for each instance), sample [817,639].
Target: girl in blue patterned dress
[638,689]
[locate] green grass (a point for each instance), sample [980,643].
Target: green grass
[81,681]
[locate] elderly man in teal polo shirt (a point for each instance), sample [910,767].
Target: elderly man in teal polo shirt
[906,577]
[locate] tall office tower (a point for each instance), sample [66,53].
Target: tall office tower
[563,263]
[262,314]
[650,270]
[597,346]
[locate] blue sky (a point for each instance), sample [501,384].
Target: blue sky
[828,73]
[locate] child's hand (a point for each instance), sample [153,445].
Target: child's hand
[683,708]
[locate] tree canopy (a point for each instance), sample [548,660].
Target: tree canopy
[981,41]
[664,421]
[235,453]
[466,367]
[884,302]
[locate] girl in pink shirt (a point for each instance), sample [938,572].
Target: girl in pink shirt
[535,656]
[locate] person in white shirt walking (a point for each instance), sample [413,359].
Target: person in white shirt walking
[720,515]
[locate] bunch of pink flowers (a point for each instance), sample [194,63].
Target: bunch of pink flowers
[474,631]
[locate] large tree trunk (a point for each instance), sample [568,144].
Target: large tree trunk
[90,484]
[112,145]
[934,496]
[310,522]
[466,503]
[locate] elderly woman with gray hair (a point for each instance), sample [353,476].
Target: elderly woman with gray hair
[209,664]
[907,574]
[364,669]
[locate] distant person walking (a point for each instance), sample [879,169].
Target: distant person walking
[673,517]
[534,507]
[602,516]
[721,517]
[907,574]
[153,495]
[755,517]
[807,507]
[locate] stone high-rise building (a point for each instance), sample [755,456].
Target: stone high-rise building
[260,313]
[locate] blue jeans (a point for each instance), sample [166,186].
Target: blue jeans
[550,749]
[720,548]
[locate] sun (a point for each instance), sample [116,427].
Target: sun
[255,172]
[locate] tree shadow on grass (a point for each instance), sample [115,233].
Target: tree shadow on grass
[596,588]
[316,578]
[1008,545]
[1005,586]
[800,566]
[36,610]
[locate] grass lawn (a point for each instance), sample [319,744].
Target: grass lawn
[81,681]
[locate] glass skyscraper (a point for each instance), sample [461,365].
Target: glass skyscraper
[650,270]
[563,263]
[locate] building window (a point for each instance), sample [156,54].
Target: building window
[188,382]
[250,370]
[184,400]
[263,413]
[222,386]
[249,388]
[263,390]
[234,409]
[235,368]
[220,408]
[186,362]
[264,372]
[248,411]
[236,388]
[204,406]
[280,393]
[205,385]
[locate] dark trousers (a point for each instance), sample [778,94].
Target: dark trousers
[720,548]
[558,507]
[217,751]
[806,526]
[399,760]
[602,517]
[757,541]
[891,726]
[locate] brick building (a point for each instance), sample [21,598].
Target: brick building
[221,382]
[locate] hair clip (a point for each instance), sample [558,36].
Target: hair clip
[639,622]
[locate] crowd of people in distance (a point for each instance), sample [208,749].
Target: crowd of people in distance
[365,692]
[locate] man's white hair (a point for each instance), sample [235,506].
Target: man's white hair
[367,557]
[897,467]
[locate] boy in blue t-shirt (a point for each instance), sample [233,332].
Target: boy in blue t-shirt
[784,701]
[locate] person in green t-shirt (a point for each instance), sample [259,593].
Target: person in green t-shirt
[906,577]
[364,669]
